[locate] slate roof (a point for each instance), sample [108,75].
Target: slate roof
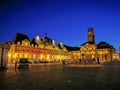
[33,42]
[47,40]
[19,37]
[104,45]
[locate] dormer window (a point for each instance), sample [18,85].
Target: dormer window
[18,43]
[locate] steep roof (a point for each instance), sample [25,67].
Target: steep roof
[36,40]
[19,37]
[47,40]
[33,42]
[104,45]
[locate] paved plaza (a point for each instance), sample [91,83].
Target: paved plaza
[62,77]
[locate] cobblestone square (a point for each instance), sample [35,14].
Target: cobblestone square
[62,77]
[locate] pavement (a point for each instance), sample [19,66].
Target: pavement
[62,77]
[84,65]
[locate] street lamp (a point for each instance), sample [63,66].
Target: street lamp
[110,54]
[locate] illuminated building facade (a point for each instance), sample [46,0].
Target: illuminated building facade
[90,50]
[38,50]
[46,49]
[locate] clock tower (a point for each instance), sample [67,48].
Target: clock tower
[90,35]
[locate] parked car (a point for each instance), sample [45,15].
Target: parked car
[23,63]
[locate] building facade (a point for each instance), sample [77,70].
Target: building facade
[46,49]
[4,47]
[92,51]
[38,50]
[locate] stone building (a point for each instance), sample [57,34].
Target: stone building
[90,50]
[4,47]
[46,49]
[37,50]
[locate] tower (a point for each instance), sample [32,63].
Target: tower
[90,35]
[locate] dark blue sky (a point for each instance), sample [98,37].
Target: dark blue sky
[62,20]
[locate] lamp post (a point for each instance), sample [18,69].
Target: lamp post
[110,54]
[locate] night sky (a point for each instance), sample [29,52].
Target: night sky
[64,21]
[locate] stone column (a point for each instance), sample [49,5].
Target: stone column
[4,47]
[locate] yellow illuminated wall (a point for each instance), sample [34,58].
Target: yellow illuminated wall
[36,53]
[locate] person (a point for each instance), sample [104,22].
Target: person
[98,61]
[63,62]
[93,60]
[16,62]
[76,62]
